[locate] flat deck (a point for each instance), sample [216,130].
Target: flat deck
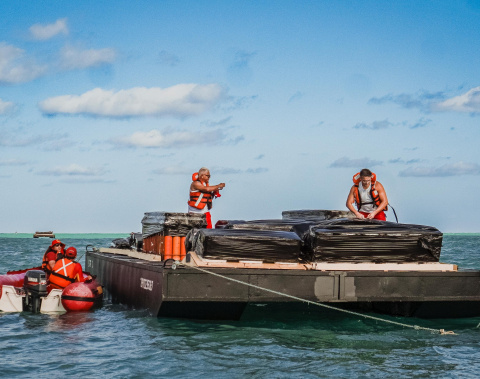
[430,290]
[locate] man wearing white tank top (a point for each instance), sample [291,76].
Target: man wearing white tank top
[202,194]
[368,195]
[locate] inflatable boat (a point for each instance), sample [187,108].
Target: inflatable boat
[28,290]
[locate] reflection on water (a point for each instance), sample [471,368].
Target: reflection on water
[70,321]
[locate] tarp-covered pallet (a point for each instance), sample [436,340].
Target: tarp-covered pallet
[345,240]
[234,245]
[164,232]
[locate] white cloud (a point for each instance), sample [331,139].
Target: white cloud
[180,170]
[157,139]
[74,170]
[257,170]
[375,125]
[355,163]
[235,171]
[173,170]
[180,100]
[468,102]
[12,162]
[73,58]
[6,106]
[18,137]
[44,32]
[454,169]
[15,67]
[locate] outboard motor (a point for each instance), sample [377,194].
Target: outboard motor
[35,287]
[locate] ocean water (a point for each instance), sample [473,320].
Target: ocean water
[117,342]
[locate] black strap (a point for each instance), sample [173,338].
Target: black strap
[63,276]
[78,298]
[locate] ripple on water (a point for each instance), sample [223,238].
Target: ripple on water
[116,342]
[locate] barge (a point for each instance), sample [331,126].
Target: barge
[324,259]
[48,234]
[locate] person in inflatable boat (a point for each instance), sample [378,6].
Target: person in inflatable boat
[67,271]
[368,195]
[202,194]
[54,252]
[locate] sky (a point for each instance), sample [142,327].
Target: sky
[107,108]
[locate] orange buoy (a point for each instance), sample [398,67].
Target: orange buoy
[183,250]
[176,248]
[81,296]
[168,248]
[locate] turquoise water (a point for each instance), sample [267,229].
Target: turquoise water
[116,342]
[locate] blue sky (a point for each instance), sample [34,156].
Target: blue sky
[107,108]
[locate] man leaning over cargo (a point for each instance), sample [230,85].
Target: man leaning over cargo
[202,194]
[368,195]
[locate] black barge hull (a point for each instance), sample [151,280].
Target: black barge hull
[184,292]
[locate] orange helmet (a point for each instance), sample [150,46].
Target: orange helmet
[71,253]
[57,242]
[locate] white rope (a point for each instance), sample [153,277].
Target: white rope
[417,327]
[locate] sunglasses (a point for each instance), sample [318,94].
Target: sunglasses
[57,244]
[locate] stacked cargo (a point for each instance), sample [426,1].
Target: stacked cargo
[300,236]
[375,241]
[164,232]
[260,245]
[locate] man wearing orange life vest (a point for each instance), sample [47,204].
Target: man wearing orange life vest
[66,270]
[201,194]
[368,195]
[52,254]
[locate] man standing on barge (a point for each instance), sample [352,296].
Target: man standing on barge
[202,194]
[369,196]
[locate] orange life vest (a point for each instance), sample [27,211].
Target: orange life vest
[45,265]
[63,273]
[373,191]
[199,199]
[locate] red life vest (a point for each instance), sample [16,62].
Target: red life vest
[373,191]
[200,199]
[63,273]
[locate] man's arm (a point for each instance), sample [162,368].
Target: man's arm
[351,201]
[383,200]
[200,187]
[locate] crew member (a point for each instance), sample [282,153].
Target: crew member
[54,252]
[66,270]
[201,194]
[368,195]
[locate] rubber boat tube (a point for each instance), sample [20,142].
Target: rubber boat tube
[79,296]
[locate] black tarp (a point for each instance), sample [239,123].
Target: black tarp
[171,224]
[134,241]
[121,243]
[230,244]
[298,226]
[316,214]
[373,241]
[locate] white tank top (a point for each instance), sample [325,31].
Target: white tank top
[366,197]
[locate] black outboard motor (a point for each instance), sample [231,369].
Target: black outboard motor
[35,286]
